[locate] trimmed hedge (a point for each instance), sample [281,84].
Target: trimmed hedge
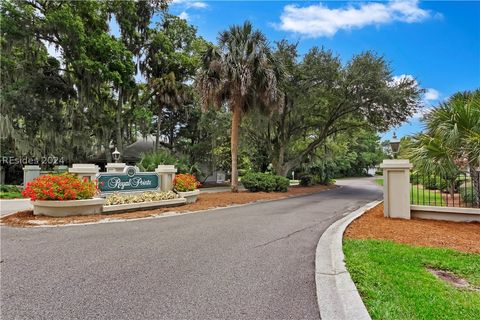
[257,181]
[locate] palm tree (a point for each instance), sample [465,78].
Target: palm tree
[243,74]
[452,138]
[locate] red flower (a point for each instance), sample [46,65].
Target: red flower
[185,182]
[59,187]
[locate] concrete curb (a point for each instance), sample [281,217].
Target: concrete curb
[337,295]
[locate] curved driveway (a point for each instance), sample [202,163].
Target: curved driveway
[249,262]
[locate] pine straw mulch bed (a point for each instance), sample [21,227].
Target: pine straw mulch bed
[462,236]
[205,201]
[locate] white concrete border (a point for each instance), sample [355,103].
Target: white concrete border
[456,214]
[337,295]
[143,205]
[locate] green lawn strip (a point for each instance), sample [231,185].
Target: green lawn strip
[422,196]
[394,283]
[426,197]
[10,195]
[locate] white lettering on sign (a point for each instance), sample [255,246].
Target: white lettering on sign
[116,183]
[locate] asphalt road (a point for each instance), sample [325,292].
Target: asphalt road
[249,262]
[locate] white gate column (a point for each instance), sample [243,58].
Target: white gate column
[396,188]
[30,172]
[166,174]
[84,170]
[115,167]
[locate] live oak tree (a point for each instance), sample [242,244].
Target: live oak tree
[243,74]
[172,55]
[323,97]
[75,100]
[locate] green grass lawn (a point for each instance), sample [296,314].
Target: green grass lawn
[394,283]
[420,196]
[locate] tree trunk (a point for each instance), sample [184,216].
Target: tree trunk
[234,147]
[157,134]
[106,145]
[279,166]
[118,131]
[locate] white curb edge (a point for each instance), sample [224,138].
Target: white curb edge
[337,295]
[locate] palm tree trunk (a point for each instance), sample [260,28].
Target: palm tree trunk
[234,147]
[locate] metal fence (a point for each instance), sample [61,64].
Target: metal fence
[433,189]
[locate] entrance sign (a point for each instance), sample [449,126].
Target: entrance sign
[130,180]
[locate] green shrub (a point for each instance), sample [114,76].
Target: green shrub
[468,196]
[306,180]
[282,184]
[151,160]
[415,178]
[433,183]
[257,181]
[9,188]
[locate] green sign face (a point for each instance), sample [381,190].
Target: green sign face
[127,181]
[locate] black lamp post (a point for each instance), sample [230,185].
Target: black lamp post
[395,145]
[116,155]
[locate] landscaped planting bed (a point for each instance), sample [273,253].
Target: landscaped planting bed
[141,201]
[119,198]
[462,236]
[415,269]
[205,201]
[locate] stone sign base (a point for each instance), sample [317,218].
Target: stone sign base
[53,208]
[143,205]
[191,196]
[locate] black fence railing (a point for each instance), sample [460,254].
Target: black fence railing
[432,189]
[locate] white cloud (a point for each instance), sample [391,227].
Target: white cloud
[398,79]
[183,15]
[431,94]
[320,21]
[186,5]
[190,4]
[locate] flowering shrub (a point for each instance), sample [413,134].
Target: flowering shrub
[59,187]
[185,182]
[149,196]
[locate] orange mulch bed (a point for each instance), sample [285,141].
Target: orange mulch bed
[462,236]
[205,201]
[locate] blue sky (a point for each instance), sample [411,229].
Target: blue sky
[437,42]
